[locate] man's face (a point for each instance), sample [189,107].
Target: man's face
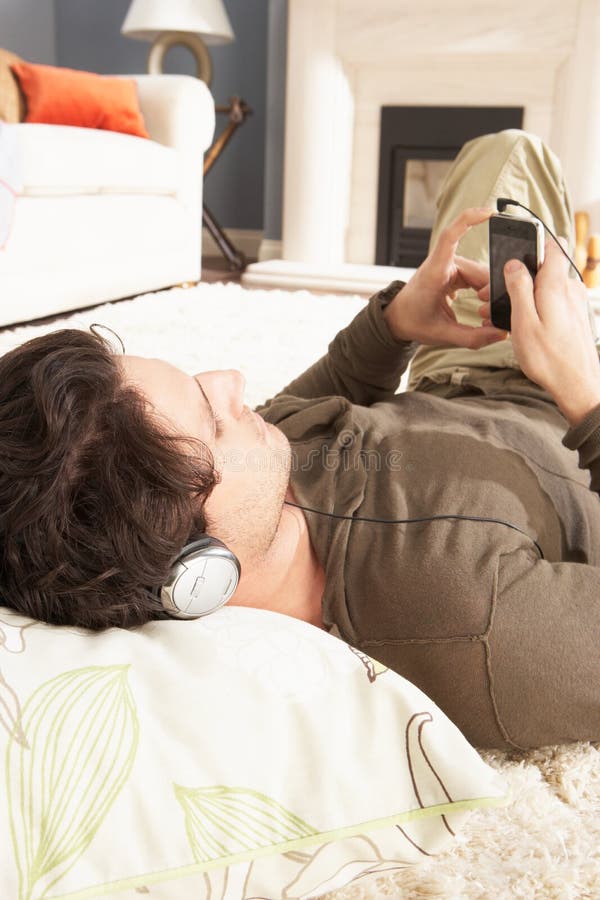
[251,456]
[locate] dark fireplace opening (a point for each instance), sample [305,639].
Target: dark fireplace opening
[418,144]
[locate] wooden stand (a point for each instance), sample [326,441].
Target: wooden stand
[237,111]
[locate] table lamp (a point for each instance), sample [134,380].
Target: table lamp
[167,23]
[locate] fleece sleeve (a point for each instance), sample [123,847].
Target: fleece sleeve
[585,438]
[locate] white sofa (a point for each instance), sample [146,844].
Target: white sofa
[100,215]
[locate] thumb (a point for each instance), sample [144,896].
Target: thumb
[519,285]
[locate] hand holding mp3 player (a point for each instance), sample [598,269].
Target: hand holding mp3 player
[552,336]
[511,238]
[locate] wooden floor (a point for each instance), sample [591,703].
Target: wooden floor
[214,268]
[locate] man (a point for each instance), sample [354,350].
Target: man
[490,603]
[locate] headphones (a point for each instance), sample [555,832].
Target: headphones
[203,578]
[206,573]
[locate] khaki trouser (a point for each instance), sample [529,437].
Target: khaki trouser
[510,164]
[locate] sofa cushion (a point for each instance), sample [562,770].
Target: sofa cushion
[70,252]
[59,96]
[12,101]
[64,160]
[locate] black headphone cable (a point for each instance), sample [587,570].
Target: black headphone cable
[436,518]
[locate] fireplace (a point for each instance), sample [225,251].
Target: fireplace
[347,59]
[417,146]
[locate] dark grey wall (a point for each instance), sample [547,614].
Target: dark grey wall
[27,29]
[88,37]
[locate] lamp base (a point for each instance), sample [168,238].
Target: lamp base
[193,42]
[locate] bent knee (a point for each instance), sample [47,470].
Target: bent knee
[504,143]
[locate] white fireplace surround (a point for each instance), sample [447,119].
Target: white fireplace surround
[348,58]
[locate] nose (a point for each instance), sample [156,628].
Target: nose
[225,391]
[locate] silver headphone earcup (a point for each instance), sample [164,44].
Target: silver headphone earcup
[202,579]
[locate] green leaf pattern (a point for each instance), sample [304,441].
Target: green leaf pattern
[82,732]
[10,712]
[221,821]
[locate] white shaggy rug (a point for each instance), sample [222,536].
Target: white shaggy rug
[547,843]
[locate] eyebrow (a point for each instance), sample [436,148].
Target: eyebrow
[210,409]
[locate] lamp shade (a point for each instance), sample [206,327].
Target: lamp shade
[146,19]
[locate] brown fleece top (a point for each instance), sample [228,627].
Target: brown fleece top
[467,610]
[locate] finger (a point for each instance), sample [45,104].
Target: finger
[473,337]
[470,273]
[484,294]
[479,336]
[519,285]
[488,334]
[485,310]
[555,266]
[445,248]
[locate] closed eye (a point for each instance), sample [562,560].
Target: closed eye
[217,421]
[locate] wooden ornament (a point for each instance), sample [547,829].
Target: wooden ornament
[582,229]
[591,274]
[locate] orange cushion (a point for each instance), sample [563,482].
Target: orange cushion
[59,96]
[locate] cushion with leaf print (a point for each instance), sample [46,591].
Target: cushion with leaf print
[243,755]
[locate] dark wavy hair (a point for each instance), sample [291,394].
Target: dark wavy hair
[96,495]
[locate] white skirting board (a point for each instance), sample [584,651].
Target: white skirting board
[270,249]
[345,278]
